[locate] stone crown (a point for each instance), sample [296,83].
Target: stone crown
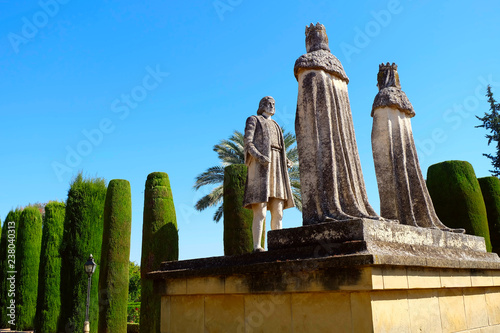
[388,66]
[313,27]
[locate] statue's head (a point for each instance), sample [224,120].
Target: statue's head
[266,105]
[388,76]
[316,38]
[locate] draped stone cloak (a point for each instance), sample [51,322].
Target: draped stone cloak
[258,144]
[402,189]
[331,178]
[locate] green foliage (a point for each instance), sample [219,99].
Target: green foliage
[133,312]
[457,197]
[134,285]
[160,242]
[490,188]
[491,122]
[232,151]
[49,278]
[28,248]
[237,220]
[83,230]
[13,217]
[114,279]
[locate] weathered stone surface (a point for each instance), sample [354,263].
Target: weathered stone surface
[332,182]
[402,189]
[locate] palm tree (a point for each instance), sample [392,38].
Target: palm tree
[232,151]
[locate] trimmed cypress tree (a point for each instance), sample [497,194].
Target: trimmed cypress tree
[490,188]
[160,242]
[11,223]
[115,257]
[49,277]
[83,228]
[457,197]
[28,248]
[237,220]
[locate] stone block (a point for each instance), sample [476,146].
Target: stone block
[205,285]
[423,278]
[176,287]
[390,311]
[235,284]
[453,278]
[320,312]
[224,313]
[361,312]
[493,305]
[395,278]
[165,315]
[481,278]
[187,314]
[476,312]
[451,307]
[423,306]
[268,313]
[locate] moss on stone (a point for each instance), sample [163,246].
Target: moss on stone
[113,278]
[457,197]
[237,220]
[160,242]
[49,279]
[28,248]
[83,229]
[490,188]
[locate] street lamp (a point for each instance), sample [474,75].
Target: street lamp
[89,269]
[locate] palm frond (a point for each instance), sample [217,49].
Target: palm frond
[213,175]
[212,199]
[219,213]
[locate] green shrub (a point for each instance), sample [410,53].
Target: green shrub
[13,216]
[160,242]
[457,197]
[115,255]
[490,188]
[28,248]
[237,220]
[133,312]
[49,277]
[83,229]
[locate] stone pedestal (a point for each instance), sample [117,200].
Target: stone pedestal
[353,276]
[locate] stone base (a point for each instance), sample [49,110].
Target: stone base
[355,276]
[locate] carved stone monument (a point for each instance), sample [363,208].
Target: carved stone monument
[402,189]
[331,179]
[268,184]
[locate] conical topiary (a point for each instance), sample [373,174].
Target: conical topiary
[49,278]
[28,248]
[490,188]
[160,242]
[237,220]
[457,197]
[8,247]
[83,228]
[113,278]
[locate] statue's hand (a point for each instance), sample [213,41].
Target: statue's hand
[264,160]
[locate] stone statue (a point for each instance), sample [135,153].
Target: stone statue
[402,189]
[268,185]
[331,179]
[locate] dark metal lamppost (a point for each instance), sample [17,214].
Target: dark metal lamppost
[89,269]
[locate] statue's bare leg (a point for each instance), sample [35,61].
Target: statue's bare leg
[276,208]
[259,214]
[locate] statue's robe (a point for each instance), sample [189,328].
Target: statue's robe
[331,179]
[402,189]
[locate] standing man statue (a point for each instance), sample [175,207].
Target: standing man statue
[268,185]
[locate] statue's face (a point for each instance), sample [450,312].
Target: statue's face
[268,107]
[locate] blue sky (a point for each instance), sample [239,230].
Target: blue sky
[133,88]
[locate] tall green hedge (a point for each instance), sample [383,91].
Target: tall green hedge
[113,279]
[28,248]
[7,242]
[49,277]
[83,229]
[160,242]
[457,197]
[490,188]
[237,220]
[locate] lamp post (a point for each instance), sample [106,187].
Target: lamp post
[89,269]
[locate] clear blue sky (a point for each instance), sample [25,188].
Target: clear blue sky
[164,81]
